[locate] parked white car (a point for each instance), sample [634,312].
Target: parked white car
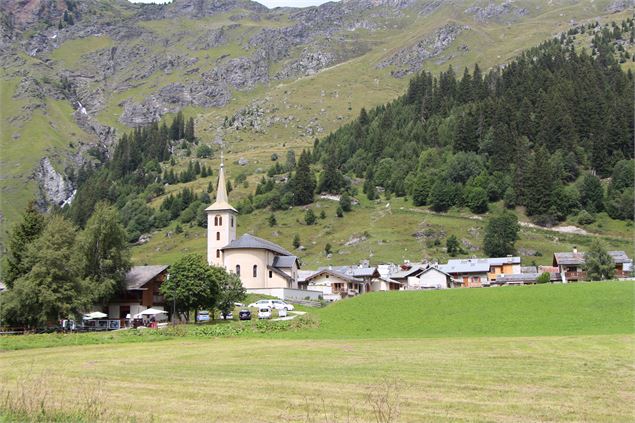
[264,312]
[277,304]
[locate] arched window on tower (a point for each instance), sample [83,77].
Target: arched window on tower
[255,271]
[238,269]
[215,220]
[217,253]
[220,220]
[217,236]
[231,219]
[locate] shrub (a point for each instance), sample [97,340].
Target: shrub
[309,217]
[544,278]
[585,218]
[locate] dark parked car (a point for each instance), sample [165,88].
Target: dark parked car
[244,315]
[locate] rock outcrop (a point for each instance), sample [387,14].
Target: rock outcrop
[411,59]
[54,188]
[506,10]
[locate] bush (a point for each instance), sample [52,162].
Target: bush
[585,218]
[203,151]
[309,217]
[544,278]
[345,202]
[476,200]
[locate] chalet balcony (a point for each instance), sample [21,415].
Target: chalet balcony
[575,276]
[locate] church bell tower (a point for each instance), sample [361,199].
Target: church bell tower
[221,222]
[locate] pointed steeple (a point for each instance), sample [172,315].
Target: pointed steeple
[221,202]
[221,190]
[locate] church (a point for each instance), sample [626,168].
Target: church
[262,266]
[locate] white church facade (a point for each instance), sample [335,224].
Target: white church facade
[262,266]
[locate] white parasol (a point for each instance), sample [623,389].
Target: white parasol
[95,315]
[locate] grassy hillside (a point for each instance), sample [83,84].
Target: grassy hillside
[541,310]
[394,230]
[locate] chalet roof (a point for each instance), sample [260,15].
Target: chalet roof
[405,273]
[253,242]
[619,257]
[477,265]
[304,274]
[335,273]
[499,261]
[355,271]
[436,269]
[577,258]
[466,266]
[284,261]
[529,269]
[140,275]
[568,258]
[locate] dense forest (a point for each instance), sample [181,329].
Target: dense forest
[539,132]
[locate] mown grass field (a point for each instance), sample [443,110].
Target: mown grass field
[543,353]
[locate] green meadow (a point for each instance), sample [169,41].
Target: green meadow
[537,353]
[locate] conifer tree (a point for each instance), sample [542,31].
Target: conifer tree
[20,237]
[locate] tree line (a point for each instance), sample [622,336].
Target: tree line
[54,270]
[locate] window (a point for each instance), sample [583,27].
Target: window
[270,274]
[217,236]
[220,220]
[215,220]
[255,271]
[231,219]
[238,269]
[217,253]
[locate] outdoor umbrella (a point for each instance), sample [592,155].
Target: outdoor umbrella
[152,312]
[95,315]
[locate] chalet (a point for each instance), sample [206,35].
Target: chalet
[141,292]
[406,270]
[334,285]
[571,265]
[481,272]
[432,278]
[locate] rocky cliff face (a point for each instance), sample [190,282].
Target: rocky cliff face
[55,189]
[410,59]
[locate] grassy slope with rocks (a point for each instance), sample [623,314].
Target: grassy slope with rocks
[325,100]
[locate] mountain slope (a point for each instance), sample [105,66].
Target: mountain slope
[284,76]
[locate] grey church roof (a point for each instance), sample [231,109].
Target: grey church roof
[284,261]
[248,241]
[140,275]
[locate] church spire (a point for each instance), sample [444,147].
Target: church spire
[221,190]
[221,202]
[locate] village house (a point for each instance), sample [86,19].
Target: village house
[337,282]
[141,292]
[433,278]
[422,276]
[481,272]
[571,265]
